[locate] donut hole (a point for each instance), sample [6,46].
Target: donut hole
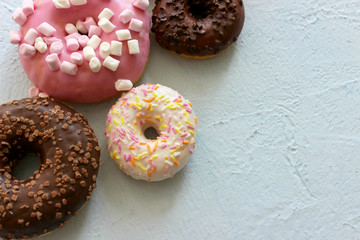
[151,133]
[26,166]
[199,9]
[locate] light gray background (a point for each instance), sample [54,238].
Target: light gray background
[277,154]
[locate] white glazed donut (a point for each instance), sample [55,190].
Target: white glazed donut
[160,108]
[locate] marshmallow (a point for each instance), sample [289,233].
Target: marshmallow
[94,42]
[106,13]
[89,21]
[81,27]
[105,49]
[19,17]
[75,35]
[70,28]
[94,30]
[30,36]
[111,63]
[78,2]
[123,34]
[43,95]
[28,7]
[95,65]
[123,85]
[27,50]
[69,68]
[14,37]
[106,25]
[135,25]
[133,47]
[142,4]
[46,29]
[126,16]
[77,58]
[56,47]
[83,39]
[116,48]
[33,92]
[72,44]
[89,53]
[51,40]
[40,45]
[61,3]
[53,61]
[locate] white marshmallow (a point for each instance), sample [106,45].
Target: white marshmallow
[19,17]
[78,2]
[27,50]
[56,47]
[40,45]
[33,92]
[133,47]
[28,7]
[123,85]
[83,39]
[77,58]
[136,25]
[95,65]
[30,36]
[116,48]
[106,13]
[43,95]
[142,4]
[53,61]
[126,16]
[105,49]
[61,3]
[123,34]
[106,25]
[70,28]
[46,29]
[111,63]
[81,27]
[89,53]
[94,30]
[94,42]
[15,37]
[69,68]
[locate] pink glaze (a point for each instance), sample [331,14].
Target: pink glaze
[85,86]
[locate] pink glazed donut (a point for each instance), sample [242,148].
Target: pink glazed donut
[82,51]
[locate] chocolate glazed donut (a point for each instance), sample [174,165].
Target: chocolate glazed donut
[69,160]
[197,28]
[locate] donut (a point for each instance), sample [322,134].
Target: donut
[157,108]
[69,157]
[197,28]
[76,50]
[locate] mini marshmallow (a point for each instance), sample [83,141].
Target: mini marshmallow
[56,47]
[61,3]
[105,49]
[76,58]
[116,48]
[19,17]
[51,40]
[135,25]
[123,85]
[78,2]
[89,21]
[94,42]
[75,35]
[43,95]
[142,4]
[106,13]
[28,7]
[40,45]
[83,39]
[126,16]
[70,28]
[94,30]
[14,37]
[30,36]
[111,63]
[27,50]
[53,61]
[95,64]
[106,25]
[133,47]
[123,34]
[72,44]
[81,27]
[69,68]
[46,29]
[89,53]
[33,92]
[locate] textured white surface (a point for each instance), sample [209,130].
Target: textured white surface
[277,154]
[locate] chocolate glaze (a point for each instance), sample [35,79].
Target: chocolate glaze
[69,160]
[197,28]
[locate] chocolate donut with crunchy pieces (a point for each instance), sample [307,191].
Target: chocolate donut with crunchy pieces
[197,28]
[69,160]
